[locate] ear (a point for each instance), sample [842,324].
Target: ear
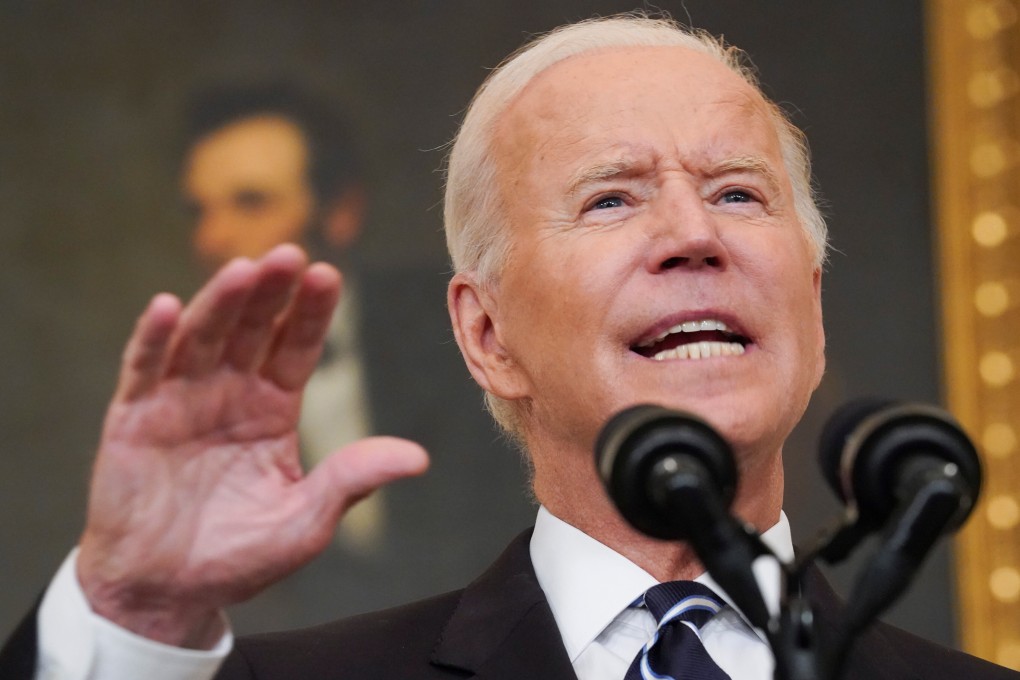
[344,216]
[474,313]
[816,280]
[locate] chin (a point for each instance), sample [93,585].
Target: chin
[750,424]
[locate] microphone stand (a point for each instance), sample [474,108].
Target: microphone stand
[673,477]
[914,530]
[726,547]
[728,550]
[795,645]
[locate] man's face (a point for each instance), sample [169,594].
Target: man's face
[248,186]
[647,195]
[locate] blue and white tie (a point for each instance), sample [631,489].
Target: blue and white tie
[675,651]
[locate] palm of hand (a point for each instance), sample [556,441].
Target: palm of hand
[198,499]
[199,486]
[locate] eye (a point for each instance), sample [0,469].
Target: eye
[251,200]
[608,202]
[737,196]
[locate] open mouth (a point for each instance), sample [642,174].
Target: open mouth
[699,339]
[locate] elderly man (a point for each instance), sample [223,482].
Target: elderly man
[630,221]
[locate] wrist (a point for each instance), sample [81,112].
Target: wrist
[160,617]
[186,627]
[197,630]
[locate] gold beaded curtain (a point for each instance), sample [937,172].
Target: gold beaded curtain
[974,59]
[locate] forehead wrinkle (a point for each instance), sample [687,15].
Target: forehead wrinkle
[627,163]
[744,109]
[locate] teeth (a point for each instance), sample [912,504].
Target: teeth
[701,350]
[689,327]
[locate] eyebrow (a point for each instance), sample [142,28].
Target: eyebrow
[753,164]
[600,172]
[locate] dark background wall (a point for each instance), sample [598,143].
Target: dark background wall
[90,227]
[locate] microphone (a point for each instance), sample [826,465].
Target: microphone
[879,455]
[904,466]
[673,478]
[645,454]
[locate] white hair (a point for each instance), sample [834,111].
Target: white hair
[477,235]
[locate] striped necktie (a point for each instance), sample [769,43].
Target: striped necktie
[675,651]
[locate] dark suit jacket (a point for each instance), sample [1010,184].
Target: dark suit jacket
[501,628]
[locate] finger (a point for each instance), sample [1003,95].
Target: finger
[360,468]
[209,317]
[145,354]
[302,331]
[279,272]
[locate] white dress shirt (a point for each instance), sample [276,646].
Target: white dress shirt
[590,589]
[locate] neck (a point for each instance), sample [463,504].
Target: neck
[574,494]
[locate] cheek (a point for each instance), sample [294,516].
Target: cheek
[557,318]
[805,335]
[293,230]
[273,227]
[547,317]
[784,287]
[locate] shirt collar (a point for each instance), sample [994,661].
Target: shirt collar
[588,584]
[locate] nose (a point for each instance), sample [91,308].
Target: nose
[212,237]
[685,233]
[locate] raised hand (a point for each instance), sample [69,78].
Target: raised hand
[198,499]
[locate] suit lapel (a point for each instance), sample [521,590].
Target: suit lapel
[502,627]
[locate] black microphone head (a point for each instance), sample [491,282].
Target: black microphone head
[866,443]
[840,426]
[634,440]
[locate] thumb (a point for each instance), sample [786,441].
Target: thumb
[358,469]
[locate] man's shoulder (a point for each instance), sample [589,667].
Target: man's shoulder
[883,651]
[926,659]
[395,642]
